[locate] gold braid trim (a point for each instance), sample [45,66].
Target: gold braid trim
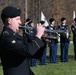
[36,43]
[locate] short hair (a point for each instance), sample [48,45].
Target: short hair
[51,20]
[62,19]
[28,19]
[42,22]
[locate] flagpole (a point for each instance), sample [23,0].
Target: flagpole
[73,14]
[26,9]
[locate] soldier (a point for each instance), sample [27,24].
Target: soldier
[31,32]
[73,28]
[43,57]
[64,41]
[53,43]
[15,49]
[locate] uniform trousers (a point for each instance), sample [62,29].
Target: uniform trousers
[53,52]
[74,43]
[43,58]
[32,62]
[64,51]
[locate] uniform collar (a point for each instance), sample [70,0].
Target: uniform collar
[63,24]
[51,25]
[10,31]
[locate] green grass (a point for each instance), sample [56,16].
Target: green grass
[1,71]
[59,68]
[71,36]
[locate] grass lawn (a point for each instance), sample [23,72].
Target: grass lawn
[59,68]
[68,68]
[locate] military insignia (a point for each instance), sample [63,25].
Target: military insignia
[72,28]
[62,27]
[14,34]
[13,41]
[5,32]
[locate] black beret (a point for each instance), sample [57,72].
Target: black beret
[42,22]
[62,19]
[51,20]
[11,12]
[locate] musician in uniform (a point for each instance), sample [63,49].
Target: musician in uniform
[73,28]
[32,33]
[16,49]
[53,42]
[64,41]
[43,57]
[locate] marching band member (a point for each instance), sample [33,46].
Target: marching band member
[16,49]
[43,58]
[53,43]
[73,28]
[64,40]
[30,23]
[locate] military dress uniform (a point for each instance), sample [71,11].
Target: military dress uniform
[16,51]
[43,57]
[32,60]
[73,28]
[64,43]
[53,44]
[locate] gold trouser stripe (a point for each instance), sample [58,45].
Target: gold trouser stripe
[36,43]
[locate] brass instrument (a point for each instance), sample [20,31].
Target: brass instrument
[48,31]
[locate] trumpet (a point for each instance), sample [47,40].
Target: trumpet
[50,36]
[26,27]
[46,30]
